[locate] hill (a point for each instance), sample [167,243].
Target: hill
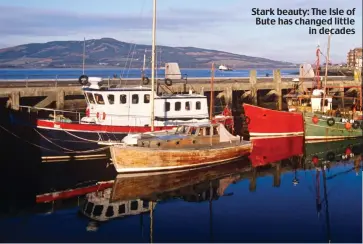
[108,52]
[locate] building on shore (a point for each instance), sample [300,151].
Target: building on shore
[354,58]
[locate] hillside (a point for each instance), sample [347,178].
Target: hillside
[108,52]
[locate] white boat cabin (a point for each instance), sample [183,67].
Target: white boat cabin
[132,106]
[97,206]
[318,103]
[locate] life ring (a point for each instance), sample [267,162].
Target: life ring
[330,156]
[83,80]
[145,80]
[330,121]
[356,125]
[247,120]
[168,82]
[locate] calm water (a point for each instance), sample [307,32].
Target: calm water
[251,200]
[131,73]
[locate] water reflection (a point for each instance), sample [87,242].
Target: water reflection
[211,204]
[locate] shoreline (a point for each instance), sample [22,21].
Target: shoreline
[114,68]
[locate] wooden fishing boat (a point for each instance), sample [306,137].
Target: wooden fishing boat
[189,146]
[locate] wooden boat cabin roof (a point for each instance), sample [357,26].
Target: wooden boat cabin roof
[189,135]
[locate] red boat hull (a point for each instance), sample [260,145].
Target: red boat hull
[272,123]
[271,150]
[94,128]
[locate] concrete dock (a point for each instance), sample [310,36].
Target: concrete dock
[56,90]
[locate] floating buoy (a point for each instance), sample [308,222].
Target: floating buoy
[315,119]
[348,125]
[315,160]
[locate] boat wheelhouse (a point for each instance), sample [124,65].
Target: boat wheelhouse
[317,102]
[131,106]
[97,206]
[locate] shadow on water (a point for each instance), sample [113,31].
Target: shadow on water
[282,191]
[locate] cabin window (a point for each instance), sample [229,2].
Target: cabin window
[135,99]
[98,210]
[192,131]
[121,209]
[123,99]
[215,130]
[90,98]
[99,99]
[89,208]
[177,106]
[109,211]
[187,106]
[85,97]
[207,131]
[111,98]
[198,106]
[181,130]
[167,106]
[326,102]
[134,205]
[146,98]
[201,131]
[145,204]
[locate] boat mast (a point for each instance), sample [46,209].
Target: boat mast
[317,72]
[153,66]
[84,53]
[211,105]
[326,69]
[143,66]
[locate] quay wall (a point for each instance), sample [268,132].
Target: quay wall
[61,91]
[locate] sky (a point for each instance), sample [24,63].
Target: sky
[221,25]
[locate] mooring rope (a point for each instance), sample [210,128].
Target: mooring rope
[33,144]
[52,150]
[84,139]
[70,150]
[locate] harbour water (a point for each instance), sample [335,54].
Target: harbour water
[6,74]
[267,197]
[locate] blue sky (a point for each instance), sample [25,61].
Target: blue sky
[223,25]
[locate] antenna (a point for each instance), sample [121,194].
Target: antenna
[84,53]
[326,66]
[153,66]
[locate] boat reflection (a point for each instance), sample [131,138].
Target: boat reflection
[137,194]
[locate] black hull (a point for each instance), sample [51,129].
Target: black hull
[68,143]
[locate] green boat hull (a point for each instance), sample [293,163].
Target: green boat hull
[321,131]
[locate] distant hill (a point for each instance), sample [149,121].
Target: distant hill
[108,52]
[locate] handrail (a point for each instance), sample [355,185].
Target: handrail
[108,114]
[48,109]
